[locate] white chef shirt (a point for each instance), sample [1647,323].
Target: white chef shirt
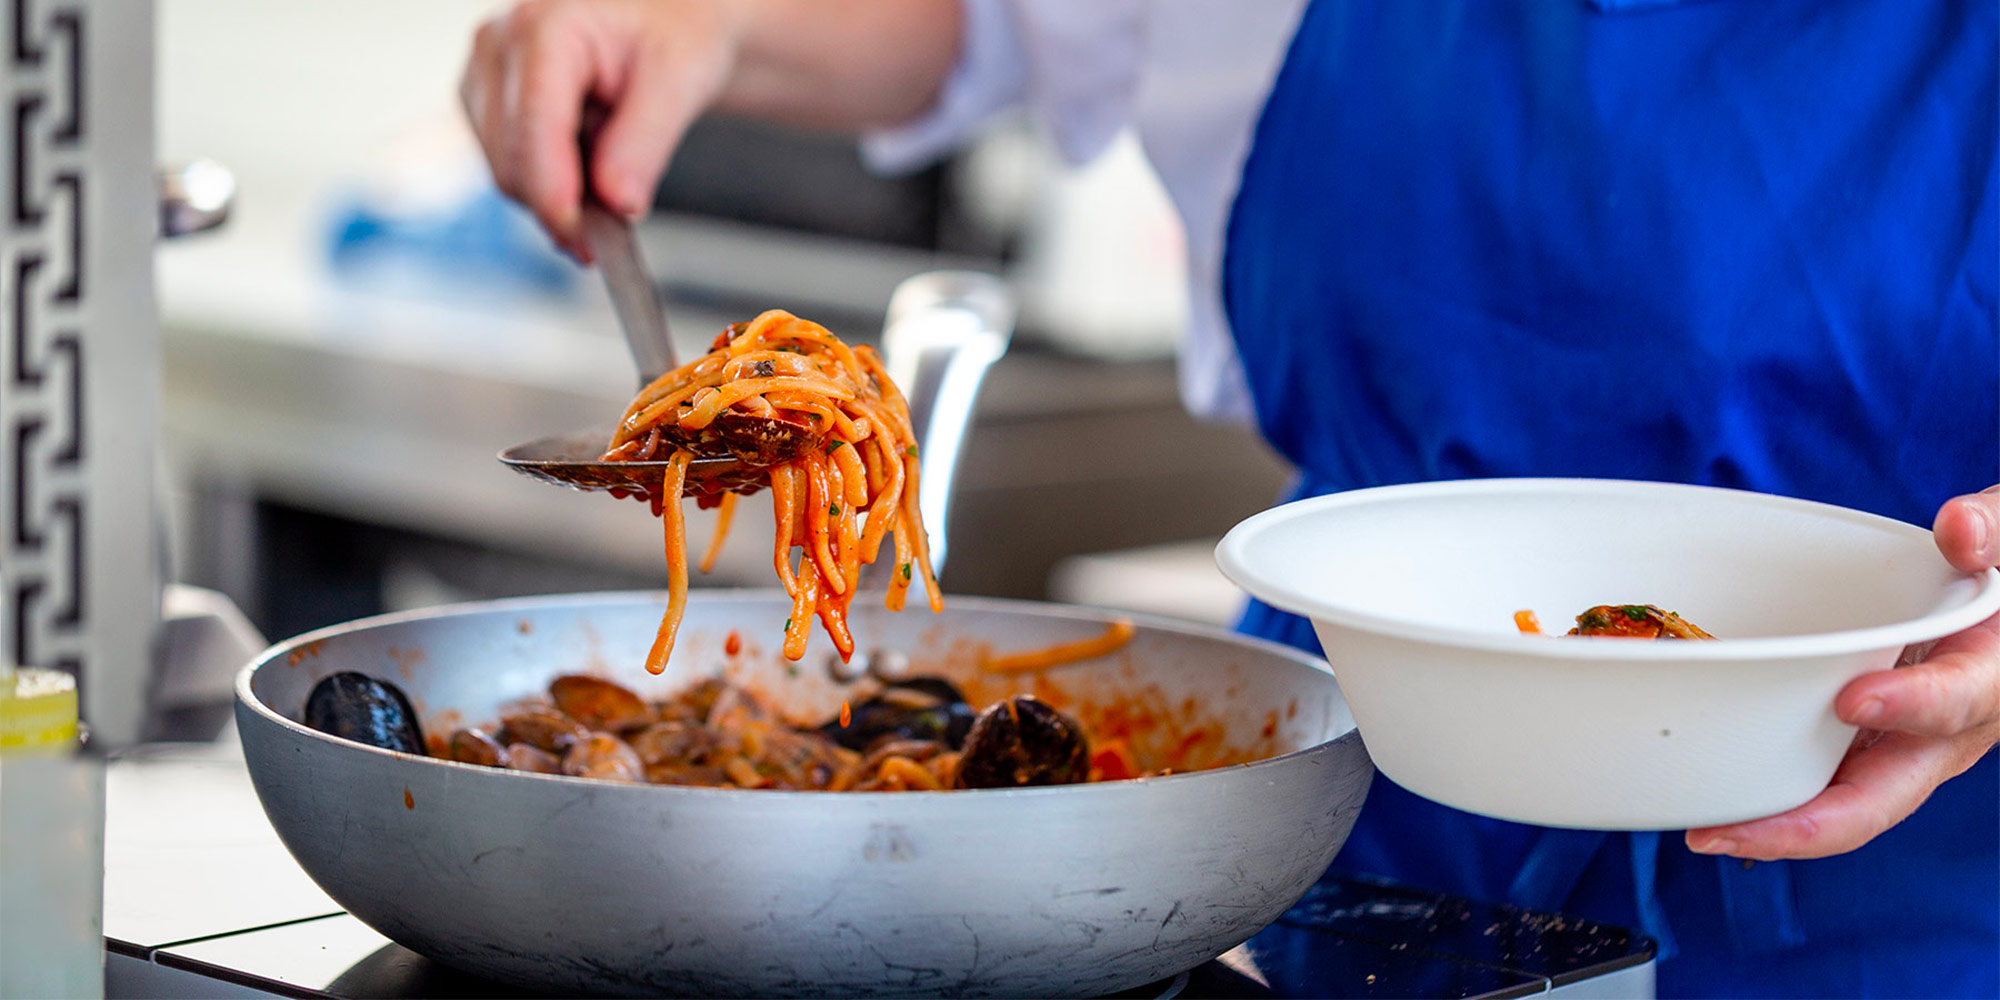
[1190,77]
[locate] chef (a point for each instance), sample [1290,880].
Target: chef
[1748,243]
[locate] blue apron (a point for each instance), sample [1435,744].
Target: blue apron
[1748,243]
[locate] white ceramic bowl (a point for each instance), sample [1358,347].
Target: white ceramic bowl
[1412,590]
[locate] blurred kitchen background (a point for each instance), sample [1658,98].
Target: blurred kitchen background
[346,355]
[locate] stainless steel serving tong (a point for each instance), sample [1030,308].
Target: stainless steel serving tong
[943,332]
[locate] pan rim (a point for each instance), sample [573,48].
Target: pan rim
[246,698]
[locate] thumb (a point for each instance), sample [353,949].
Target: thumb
[1968,530]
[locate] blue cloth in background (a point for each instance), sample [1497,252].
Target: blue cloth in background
[1747,243]
[476,245]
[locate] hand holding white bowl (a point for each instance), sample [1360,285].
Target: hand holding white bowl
[1412,591]
[1922,724]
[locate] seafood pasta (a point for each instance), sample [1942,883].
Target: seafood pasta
[831,433]
[1627,621]
[917,734]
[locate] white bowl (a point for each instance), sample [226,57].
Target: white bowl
[1412,590]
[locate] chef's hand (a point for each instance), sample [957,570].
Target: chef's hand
[658,64]
[1921,724]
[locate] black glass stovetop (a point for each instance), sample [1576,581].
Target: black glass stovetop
[199,893]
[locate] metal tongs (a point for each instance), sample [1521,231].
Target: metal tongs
[944,329]
[943,332]
[573,459]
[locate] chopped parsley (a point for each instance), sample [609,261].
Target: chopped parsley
[906,571]
[1635,612]
[831,446]
[788,624]
[911,451]
[833,509]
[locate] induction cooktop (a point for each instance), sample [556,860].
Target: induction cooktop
[201,899]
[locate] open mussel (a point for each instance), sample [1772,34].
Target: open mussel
[599,704]
[358,707]
[918,708]
[1023,741]
[544,729]
[476,746]
[523,757]
[604,756]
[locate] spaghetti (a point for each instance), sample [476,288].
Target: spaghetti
[834,434]
[915,734]
[1115,636]
[1628,621]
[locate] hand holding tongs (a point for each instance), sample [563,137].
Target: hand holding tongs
[943,331]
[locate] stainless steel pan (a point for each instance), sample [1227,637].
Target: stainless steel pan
[573,885]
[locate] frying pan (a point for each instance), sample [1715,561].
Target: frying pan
[573,885]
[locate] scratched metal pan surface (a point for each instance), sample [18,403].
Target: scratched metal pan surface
[571,885]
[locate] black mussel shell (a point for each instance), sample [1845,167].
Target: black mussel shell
[360,708]
[916,708]
[1023,741]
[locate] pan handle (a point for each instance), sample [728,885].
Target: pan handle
[944,330]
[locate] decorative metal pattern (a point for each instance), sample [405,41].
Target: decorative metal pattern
[79,351]
[43,549]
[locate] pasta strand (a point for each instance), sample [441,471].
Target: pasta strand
[850,483]
[723,513]
[677,575]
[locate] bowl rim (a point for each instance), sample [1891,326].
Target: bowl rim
[1231,555]
[246,698]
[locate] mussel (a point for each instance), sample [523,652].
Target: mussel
[543,729]
[599,704]
[522,757]
[476,746]
[800,758]
[358,707]
[918,708]
[1023,741]
[602,755]
[675,741]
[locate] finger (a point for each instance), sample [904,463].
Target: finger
[471,80]
[1968,530]
[1876,787]
[1955,689]
[548,75]
[479,92]
[648,118]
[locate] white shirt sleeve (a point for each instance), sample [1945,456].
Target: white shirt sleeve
[1191,76]
[1073,65]
[988,77]
[1208,69]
